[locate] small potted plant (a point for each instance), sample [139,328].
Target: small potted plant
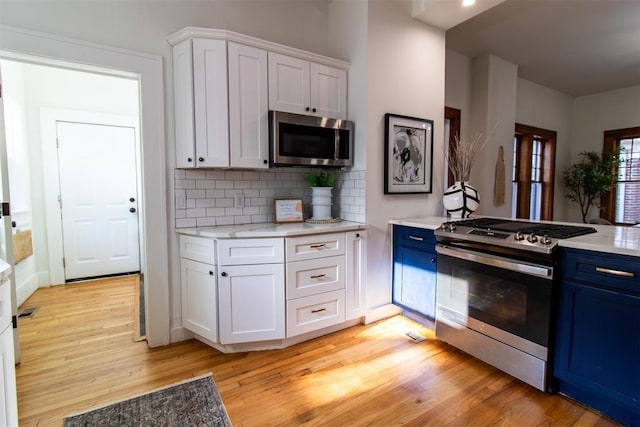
[321,183]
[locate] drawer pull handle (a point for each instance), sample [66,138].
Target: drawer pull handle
[318,276]
[318,310]
[614,272]
[319,246]
[419,239]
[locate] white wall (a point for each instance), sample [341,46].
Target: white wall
[549,109]
[405,75]
[594,114]
[458,87]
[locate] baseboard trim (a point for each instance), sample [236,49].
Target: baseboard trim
[382,312]
[26,288]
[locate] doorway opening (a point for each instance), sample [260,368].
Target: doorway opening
[75,157]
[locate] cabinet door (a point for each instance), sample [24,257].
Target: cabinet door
[328,91]
[252,303]
[8,393]
[356,274]
[210,103]
[199,299]
[598,348]
[248,107]
[288,84]
[183,104]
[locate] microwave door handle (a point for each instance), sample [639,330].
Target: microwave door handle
[336,150]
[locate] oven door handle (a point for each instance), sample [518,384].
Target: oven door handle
[499,262]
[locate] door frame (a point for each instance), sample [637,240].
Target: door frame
[51,173]
[47,49]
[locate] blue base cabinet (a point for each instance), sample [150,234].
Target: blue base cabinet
[597,359]
[414,269]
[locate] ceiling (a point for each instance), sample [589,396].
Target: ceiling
[578,47]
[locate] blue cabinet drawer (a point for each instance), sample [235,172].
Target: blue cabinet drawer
[412,236]
[617,272]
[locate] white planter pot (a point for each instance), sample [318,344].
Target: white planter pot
[461,200]
[321,202]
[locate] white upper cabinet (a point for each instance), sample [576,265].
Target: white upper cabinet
[248,107]
[304,87]
[224,85]
[221,105]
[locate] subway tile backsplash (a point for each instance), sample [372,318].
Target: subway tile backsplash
[206,198]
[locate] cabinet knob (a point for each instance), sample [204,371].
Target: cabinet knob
[210,273]
[307,109]
[265,161]
[357,234]
[223,274]
[313,110]
[201,159]
[132,199]
[189,159]
[433,260]
[132,210]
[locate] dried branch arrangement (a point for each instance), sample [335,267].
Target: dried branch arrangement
[462,156]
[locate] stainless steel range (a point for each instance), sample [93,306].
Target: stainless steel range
[495,291]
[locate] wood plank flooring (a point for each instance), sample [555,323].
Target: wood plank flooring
[78,353]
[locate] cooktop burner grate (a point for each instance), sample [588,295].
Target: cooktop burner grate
[557,231]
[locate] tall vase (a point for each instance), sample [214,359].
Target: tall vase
[321,202]
[461,199]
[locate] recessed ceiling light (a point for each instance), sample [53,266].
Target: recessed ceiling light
[468,2]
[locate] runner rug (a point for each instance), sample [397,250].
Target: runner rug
[194,402]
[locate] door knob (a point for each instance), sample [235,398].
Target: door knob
[132,210]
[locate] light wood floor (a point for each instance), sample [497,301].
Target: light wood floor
[78,353]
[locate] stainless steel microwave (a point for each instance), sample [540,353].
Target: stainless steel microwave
[300,140]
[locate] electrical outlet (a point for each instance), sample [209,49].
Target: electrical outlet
[238,200]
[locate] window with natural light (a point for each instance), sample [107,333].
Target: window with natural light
[627,206]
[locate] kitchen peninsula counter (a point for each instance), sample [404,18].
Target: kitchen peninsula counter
[608,238]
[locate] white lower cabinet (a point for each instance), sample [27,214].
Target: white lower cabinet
[251,295]
[246,290]
[199,298]
[356,274]
[8,393]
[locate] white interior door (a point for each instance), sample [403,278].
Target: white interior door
[6,230]
[98,198]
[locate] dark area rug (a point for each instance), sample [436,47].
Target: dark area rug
[192,403]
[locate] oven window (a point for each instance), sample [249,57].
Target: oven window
[510,301]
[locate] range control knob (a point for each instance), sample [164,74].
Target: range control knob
[518,236]
[532,238]
[545,240]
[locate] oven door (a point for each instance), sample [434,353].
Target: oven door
[506,299]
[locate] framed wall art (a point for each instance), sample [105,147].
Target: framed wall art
[288,210]
[408,154]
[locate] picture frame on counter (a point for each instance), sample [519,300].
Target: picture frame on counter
[288,210]
[408,158]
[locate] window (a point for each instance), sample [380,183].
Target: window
[621,205]
[533,172]
[451,132]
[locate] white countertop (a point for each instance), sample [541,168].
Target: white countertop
[268,229]
[427,222]
[609,238]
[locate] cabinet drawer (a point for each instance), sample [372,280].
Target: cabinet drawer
[315,246]
[5,304]
[197,249]
[315,312]
[250,251]
[412,236]
[315,276]
[619,272]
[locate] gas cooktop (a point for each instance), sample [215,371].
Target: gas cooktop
[523,235]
